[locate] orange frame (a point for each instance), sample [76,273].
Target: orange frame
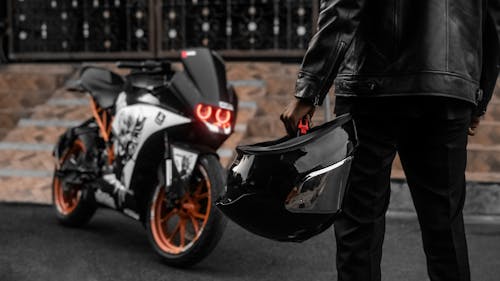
[104,120]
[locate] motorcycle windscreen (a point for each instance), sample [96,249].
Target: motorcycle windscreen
[208,74]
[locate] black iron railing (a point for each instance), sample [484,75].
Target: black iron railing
[3,29]
[110,29]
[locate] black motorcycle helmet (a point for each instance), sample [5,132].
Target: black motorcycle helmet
[291,189]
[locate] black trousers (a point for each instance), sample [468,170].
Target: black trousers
[430,135]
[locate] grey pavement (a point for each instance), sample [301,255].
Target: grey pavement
[33,246]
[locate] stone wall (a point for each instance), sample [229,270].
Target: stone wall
[33,93]
[23,86]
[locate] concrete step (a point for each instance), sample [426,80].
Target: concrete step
[48,111]
[26,189]
[496,93]
[45,111]
[41,160]
[483,198]
[3,132]
[483,158]
[9,119]
[23,86]
[33,77]
[493,111]
[19,99]
[34,134]
[29,82]
[481,177]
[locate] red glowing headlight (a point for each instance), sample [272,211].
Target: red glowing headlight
[204,112]
[222,116]
[214,115]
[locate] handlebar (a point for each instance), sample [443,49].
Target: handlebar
[145,65]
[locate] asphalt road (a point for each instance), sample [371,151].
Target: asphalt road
[33,246]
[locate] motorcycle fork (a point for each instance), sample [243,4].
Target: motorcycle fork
[176,179]
[168,163]
[173,191]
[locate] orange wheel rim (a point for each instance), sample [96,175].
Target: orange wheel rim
[176,229]
[67,200]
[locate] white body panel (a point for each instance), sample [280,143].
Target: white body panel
[133,125]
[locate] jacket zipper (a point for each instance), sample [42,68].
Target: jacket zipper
[397,27]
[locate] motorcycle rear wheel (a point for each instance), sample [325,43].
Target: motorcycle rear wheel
[74,205]
[186,233]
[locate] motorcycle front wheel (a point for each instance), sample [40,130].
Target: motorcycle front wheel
[187,230]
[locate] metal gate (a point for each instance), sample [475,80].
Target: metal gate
[134,29]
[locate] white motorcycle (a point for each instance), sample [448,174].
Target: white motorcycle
[149,151]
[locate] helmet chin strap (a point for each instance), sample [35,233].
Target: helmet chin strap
[304,126]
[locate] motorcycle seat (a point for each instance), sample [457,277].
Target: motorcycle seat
[141,80]
[102,84]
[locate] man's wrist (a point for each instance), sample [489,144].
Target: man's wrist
[306,88]
[306,101]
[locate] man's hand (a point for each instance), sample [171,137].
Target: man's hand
[474,123]
[293,113]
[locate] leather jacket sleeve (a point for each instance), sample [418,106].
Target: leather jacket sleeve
[494,11]
[337,24]
[491,56]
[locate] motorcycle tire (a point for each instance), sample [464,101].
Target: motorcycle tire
[74,205]
[185,234]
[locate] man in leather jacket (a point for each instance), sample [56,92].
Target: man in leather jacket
[416,76]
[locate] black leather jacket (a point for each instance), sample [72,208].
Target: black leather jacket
[403,47]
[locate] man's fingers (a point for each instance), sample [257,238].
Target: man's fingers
[472,131]
[290,126]
[295,111]
[473,126]
[286,122]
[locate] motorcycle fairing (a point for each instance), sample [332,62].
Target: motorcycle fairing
[181,83]
[204,78]
[102,84]
[132,126]
[208,73]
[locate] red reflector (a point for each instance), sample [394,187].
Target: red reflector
[184,54]
[203,111]
[222,116]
